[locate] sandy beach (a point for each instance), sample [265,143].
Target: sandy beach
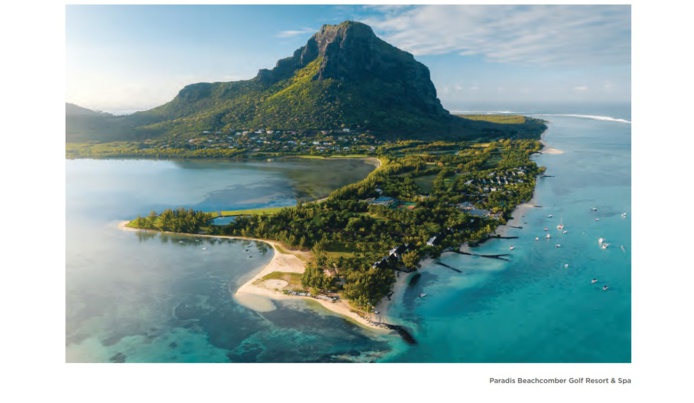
[258,296]
[550,150]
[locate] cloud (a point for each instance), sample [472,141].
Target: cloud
[291,33]
[532,35]
[580,88]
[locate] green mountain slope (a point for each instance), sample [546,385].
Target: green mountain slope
[344,76]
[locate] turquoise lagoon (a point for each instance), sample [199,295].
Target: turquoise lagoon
[138,297]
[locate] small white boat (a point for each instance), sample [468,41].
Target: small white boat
[561,224]
[566,265]
[594,209]
[557,245]
[548,236]
[546,228]
[204,248]
[604,288]
[601,240]
[597,219]
[511,248]
[605,245]
[565,232]
[593,281]
[624,214]
[537,238]
[550,216]
[422,295]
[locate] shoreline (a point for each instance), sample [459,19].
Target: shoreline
[259,297]
[546,149]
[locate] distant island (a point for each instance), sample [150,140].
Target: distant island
[442,181]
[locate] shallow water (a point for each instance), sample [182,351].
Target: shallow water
[541,306]
[139,297]
[147,297]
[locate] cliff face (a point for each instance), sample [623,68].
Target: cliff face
[352,53]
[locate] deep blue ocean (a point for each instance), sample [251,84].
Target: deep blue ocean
[136,297]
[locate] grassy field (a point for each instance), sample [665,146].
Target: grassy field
[426,183]
[267,210]
[293,279]
[320,157]
[501,119]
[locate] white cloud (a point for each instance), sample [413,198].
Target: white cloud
[291,33]
[543,35]
[580,88]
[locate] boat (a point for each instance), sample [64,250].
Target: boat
[557,245]
[422,295]
[550,216]
[597,219]
[624,214]
[566,265]
[546,228]
[511,248]
[537,238]
[565,232]
[593,281]
[594,209]
[561,224]
[605,245]
[548,236]
[601,240]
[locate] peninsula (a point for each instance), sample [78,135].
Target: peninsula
[442,180]
[423,199]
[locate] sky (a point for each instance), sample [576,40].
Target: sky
[121,59]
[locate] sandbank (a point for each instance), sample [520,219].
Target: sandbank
[549,150]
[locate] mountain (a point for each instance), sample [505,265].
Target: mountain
[345,76]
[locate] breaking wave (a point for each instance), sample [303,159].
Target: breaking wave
[594,117]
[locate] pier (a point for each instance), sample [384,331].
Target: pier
[450,267]
[499,256]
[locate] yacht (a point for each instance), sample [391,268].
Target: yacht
[548,236]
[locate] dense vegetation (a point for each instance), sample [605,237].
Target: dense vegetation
[472,188]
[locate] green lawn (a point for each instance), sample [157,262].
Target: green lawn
[501,119]
[267,210]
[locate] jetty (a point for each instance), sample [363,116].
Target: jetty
[403,332]
[499,256]
[450,267]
